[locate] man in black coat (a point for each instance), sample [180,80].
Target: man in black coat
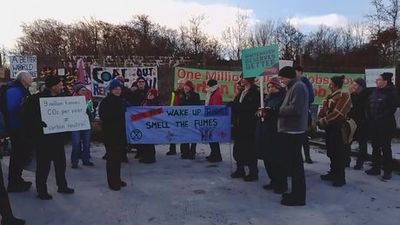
[244,150]
[50,147]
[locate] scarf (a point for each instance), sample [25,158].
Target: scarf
[210,91]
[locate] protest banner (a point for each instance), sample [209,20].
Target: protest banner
[23,62]
[64,114]
[320,82]
[199,77]
[102,76]
[178,124]
[260,61]
[372,74]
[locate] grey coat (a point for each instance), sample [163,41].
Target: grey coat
[293,114]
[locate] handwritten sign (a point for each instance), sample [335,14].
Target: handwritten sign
[64,114]
[178,124]
[23,62]
[261,61]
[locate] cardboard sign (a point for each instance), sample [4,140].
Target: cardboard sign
[23,62]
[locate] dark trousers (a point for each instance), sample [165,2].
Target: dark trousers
[172,147]
[19,156]
[245,154]
[113,165]
[268,168]
[5,208]
[291,146]
[336,151]
[215,149]
[306,147]
[47,152]
[361,136]
[149,152]
[188,150]
[381,148]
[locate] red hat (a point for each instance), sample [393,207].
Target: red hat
[275,81]
[189,84]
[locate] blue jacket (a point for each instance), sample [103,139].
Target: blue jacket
[15,97]
[310,89]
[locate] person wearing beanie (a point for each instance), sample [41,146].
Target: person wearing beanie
[80,140]
[310,89]
[382,105]
[49,147]
[267,144]
[176,97]
[244,150]
[292,125]
[188,151]
[214,97]
[112,114]
[359,99]
[332,117]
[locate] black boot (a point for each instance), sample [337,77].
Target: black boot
[66,190]
[290,200]
[12,221]
[253,174]
[44,196]
[373,171]
[387,175]
[359,165]
[171,152]
[22,186]
[239,173]
[214,158]
[330,176]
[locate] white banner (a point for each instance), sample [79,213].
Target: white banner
[372,74]
[64,114]
[23,62]
[101,77]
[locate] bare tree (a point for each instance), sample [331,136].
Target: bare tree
[263,34]
[290,40]
[237,36]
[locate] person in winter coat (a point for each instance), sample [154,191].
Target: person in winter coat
[332,116]
[15,96]
[292,125]
[149,150]
[244,109]
[81,139]
[112,115]
[380,114]
[50,147]
[310,89]
[359,100]
[267,138]
[176,98]
[214,97]
[188,151]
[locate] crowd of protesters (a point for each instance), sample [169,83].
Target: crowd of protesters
[275,134]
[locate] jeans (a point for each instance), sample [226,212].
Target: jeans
[80,146]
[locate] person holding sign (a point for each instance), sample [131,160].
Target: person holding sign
[214,97]
[15,96]
[50,147]
[112,114]
[81,139]
[332,116]
[244,109]
[381,108]
[188,151]
[292,125]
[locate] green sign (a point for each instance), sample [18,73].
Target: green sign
[199,77]
[260,61]
[320,82]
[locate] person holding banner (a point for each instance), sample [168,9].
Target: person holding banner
[383,103]
[176,98]
[332,116]
[292,125]
[81,139]
[214,97]
[50,147]
[15,96]
[188,151]
[112,114]
[244,109]
[267,139]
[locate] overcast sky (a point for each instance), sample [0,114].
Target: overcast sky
[306,14]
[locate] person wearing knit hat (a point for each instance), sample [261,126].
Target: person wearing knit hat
[188,151]
[359,99]
[332,117]
[214,97]
[382,106]
[80,140]
[112,114]
[292,125]
[49,147]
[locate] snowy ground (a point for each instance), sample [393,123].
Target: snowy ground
[177,192]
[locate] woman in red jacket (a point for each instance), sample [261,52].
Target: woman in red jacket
[214,97]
